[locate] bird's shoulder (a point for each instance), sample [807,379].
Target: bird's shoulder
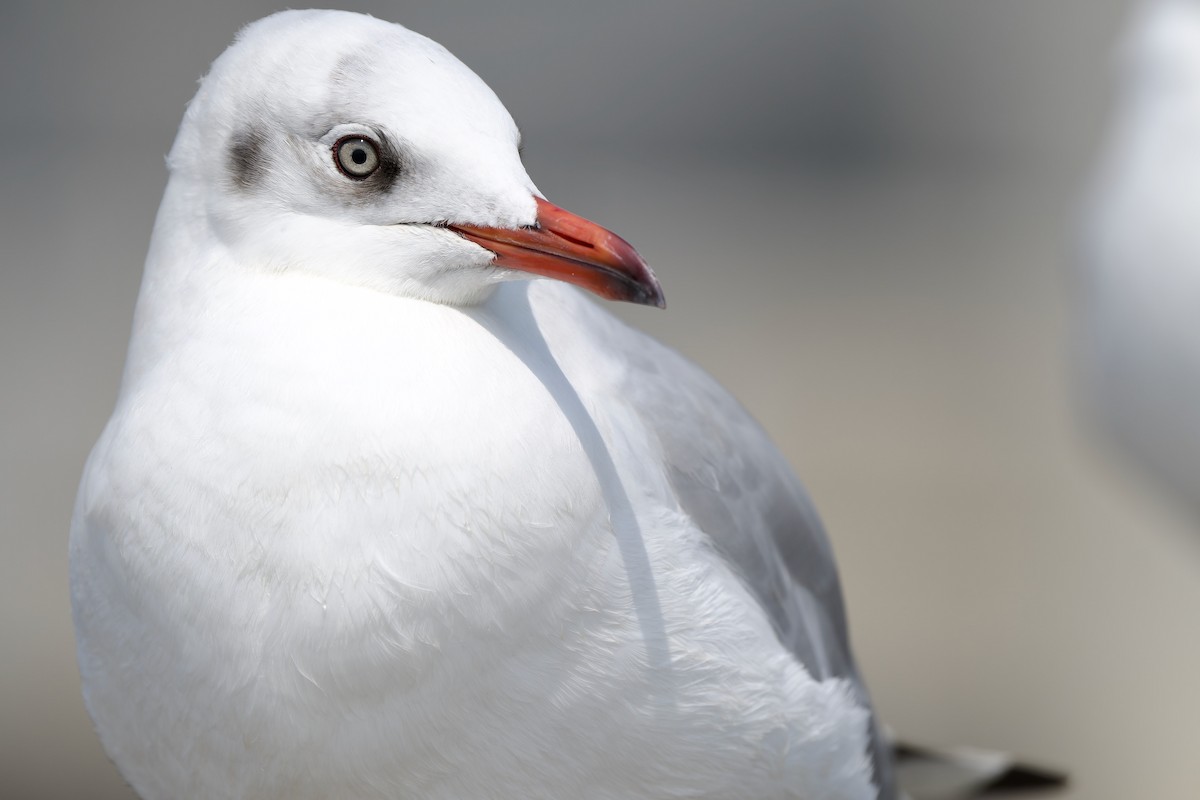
[726,475]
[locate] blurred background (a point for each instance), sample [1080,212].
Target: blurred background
[863,213]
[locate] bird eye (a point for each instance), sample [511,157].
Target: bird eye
[356,156]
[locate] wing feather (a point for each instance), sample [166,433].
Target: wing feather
[739,489]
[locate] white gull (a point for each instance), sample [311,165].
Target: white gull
[374,519]
[1140,260]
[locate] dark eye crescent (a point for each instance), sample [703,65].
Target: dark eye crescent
[356,157]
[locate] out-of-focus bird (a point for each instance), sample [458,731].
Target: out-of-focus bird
[1140,271]
[376,517]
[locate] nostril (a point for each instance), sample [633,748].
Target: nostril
[573,240]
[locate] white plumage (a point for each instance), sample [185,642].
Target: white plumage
[371,519]
[1141,252]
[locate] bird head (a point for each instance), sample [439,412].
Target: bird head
[340,144]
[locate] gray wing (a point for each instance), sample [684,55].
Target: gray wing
[740,491]
[737,487]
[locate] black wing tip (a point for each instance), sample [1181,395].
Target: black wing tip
[1014,778]
[1024,778]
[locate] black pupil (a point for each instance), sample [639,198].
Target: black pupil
[358,156]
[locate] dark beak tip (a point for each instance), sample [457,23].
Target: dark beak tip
[643,289]
[654,298]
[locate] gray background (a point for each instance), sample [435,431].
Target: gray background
[862,214]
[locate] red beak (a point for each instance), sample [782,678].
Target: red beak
[569,248]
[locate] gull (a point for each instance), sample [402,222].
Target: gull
[379,515]
[1140,256]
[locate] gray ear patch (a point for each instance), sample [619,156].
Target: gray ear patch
[246,159]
